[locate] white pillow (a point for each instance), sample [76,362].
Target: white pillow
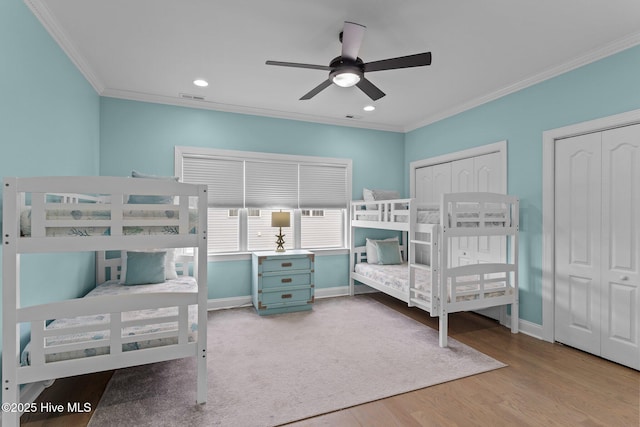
[372,249]
[367,196]
[377,195]
[385,195]
[170,272]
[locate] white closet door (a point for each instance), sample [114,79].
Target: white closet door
[463,249]
[487,172]
[432,182]
[577,230]
[620,297]
[597,282]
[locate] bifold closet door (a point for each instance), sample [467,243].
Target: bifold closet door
[620,296]
[597,240]
[578,236]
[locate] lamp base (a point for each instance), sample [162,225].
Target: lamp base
[280,242]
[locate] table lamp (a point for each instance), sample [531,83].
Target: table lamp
[280,219]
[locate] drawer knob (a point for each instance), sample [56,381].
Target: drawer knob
[286,264]
[287,280]
[285,296]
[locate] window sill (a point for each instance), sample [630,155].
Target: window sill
[245,256]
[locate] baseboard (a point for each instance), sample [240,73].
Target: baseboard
[528,328]
[338,291]
[232,302]
[246,301]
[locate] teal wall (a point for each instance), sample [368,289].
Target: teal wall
[53,123]
[49,125]
[142,136]
[600,89]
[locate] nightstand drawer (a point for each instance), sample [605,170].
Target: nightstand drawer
[288,297]
[286,264]
[279,280]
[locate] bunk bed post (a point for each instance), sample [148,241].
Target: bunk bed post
[444,268]
[410,251]
[203,291]
[515,311]
[352,252]
[10,303]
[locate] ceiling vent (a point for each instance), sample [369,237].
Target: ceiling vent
[191,97]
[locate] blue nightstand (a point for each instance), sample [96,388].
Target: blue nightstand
[282,281]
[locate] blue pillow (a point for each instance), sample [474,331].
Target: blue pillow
[388,252]
[151,200]
[145,268]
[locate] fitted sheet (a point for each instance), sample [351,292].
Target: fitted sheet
[93,214]
[432,216]
[182,284]
[397,277]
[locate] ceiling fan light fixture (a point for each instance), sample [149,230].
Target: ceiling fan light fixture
[346,79]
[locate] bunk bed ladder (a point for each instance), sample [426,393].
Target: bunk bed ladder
[423,298]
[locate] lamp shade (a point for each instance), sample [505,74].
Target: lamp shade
[280,219]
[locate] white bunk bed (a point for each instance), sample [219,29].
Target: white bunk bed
[139,324]
[432,283]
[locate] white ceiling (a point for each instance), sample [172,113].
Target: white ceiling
[152,50]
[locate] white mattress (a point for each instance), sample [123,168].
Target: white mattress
[182,284]
[92,214]
[397,277]
[432,216]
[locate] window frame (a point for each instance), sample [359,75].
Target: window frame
[244,253]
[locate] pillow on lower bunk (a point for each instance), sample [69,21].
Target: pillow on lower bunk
[170,271]
[152,200]
[389,252]
[144,268]
[372,249]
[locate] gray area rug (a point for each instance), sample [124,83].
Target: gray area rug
[266,371]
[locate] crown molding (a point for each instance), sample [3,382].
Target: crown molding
[592,56]
[46,18]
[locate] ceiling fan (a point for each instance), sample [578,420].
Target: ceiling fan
[348,70]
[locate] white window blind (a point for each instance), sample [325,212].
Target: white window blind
[224,178]
[323,186]
[271,185]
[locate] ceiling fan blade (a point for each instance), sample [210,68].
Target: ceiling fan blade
[370,89]
[316,90]
[352,35]
[298,65]
[417,60]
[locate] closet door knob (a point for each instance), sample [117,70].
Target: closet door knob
[624,277]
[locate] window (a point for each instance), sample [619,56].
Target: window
[246,187]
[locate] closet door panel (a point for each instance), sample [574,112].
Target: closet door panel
[432,182]
[487,171]
[578,237]
[463,249]
[621,245]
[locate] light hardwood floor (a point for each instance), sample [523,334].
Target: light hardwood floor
[544,384]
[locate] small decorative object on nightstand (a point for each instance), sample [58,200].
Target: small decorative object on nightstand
[283,282]
[280,219]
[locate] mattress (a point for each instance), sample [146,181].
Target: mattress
[432,216]
[424,217]
[397,277]
[182,284]
[93,214]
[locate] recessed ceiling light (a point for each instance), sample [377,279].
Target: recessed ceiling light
[369,108]
[201,83]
